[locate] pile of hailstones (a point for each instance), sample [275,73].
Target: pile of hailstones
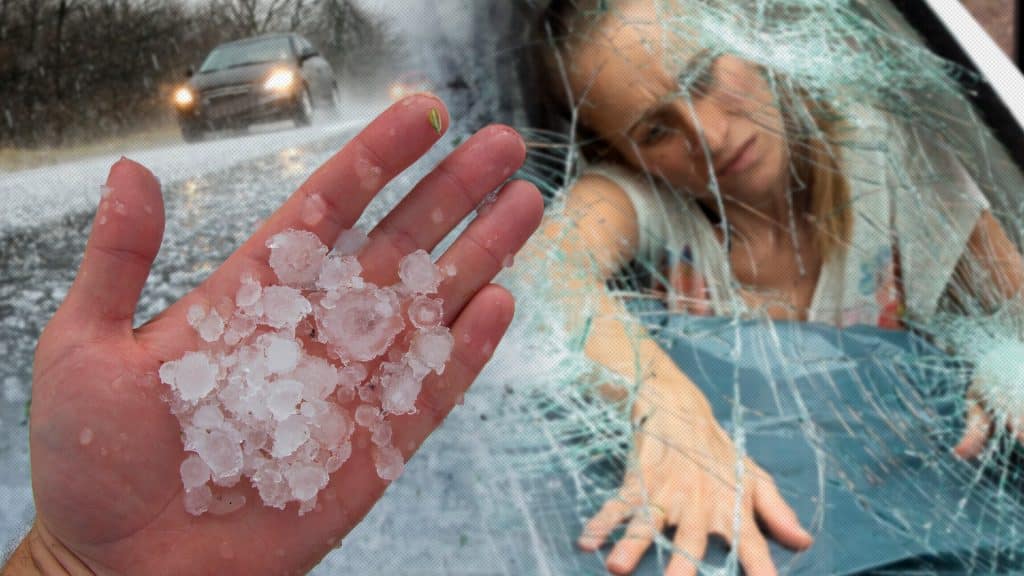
[255,402]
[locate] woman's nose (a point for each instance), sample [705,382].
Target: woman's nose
[710,123]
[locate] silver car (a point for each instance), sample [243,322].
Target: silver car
[262,79]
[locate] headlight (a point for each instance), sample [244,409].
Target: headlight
[279,81]
[183,97]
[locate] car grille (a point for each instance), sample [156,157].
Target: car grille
[226,101]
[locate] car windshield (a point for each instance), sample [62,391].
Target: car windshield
[243,53]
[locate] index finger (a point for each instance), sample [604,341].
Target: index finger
[777,515]
[334,197]
[977,431]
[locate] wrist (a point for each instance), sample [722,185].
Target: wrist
[672,395]
[40,553]
[19,563]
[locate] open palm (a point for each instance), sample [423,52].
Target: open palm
[105,448]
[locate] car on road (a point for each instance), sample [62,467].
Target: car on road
[408,83]
[261,79]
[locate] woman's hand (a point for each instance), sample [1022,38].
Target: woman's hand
[683,474]
[981,425]
[105,447]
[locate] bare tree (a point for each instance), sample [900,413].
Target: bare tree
[356,44]
[252,17]
[300,13]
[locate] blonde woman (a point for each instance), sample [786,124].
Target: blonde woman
[745,211]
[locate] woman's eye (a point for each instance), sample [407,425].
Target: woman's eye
[655,133]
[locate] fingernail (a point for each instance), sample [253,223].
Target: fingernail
[413,98]
[509,132]
[434,117]
[617,561]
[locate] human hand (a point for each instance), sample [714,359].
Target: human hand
[981,424]
[684,475]
[105,447]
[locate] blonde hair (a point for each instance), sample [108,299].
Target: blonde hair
[828,187]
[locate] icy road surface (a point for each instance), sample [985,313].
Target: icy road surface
[30,197]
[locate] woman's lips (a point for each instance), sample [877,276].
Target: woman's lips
[744,158]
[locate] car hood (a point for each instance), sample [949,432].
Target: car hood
[251,74]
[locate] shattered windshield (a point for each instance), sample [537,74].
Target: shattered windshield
[245,53]
[811,222]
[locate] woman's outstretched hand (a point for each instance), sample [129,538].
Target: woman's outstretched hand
[683,474]
[105,447]
[981,425]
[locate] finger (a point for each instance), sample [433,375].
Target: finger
[334,197]
[442,199]
[634,543]
[597,529]
[126,234]
[358,485]
[976,432]
[778,516]
[482,249]
[475,332]
[755,556]
[703,302]
[691,542]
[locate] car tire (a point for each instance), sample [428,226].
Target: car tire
[335,105]
[191,133]
[304,109]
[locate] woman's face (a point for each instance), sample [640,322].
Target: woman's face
[727,124]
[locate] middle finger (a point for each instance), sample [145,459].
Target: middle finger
[334,196]
[442,199]
[691,542]
[646,523]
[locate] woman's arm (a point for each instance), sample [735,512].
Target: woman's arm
[683,466]
[992,271]
[604,231]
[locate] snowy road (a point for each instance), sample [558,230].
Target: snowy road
[29,197]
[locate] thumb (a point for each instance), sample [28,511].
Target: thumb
[976,432]
[126,234]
